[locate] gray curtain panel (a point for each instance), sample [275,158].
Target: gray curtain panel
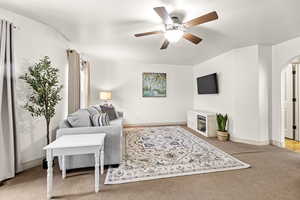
[7,105]
[73,81]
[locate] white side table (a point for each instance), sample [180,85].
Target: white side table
[75,145]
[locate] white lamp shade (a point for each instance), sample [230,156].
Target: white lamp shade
[105,95]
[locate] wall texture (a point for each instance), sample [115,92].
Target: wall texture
[125,82]
[241,79]
[34,40]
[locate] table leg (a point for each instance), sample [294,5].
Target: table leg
[49,173]
[97,157]
[102,160]
[63,167]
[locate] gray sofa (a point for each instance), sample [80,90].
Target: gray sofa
[112,146]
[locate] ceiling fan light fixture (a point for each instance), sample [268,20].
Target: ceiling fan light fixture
[173,35]
[176,29]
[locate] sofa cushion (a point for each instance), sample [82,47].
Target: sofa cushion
[93,110]
[117,122]
[111,112]
[80,118]
[64,124]
[98,108]
[101,119]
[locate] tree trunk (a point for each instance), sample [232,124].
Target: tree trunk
[48,131]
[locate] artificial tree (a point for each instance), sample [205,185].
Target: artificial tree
[42,78]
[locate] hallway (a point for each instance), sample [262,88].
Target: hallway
[292,145]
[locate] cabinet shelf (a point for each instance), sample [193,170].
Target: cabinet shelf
[202,122]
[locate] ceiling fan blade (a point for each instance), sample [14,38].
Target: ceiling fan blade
[192,38]
[162,12]
[165,45]
[148,33]
[203,19]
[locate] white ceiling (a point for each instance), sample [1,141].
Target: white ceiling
[105,29]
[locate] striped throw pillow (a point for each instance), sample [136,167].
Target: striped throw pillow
[101,119]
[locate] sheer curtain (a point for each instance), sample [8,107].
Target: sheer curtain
[85,84]
[8,148]
[73,81]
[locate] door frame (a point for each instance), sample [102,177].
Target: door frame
[293,94]
[296,88]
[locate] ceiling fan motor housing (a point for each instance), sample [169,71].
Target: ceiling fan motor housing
[176,20]
[172,27]
[176,25]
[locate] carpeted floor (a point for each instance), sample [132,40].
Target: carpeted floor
[274,175]
[170,151]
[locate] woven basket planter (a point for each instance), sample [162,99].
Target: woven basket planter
[222,136]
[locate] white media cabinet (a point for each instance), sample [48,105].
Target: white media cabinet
[202,121]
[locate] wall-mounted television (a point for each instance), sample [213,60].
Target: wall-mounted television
[208,84]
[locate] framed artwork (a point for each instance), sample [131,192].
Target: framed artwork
[154,84]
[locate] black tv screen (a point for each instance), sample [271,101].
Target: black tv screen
[208,84]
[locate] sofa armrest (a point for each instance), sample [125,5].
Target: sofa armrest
[113,140]
[120,114]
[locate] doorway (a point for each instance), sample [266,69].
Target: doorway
[290,105]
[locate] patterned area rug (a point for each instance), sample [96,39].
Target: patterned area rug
[161,152]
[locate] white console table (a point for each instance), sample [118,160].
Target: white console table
[202,121]
[75,145]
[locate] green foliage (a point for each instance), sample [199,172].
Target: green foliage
[222,122]
[43,80]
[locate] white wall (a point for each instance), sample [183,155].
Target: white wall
[246,102]
[222,102]
[125,81]
[34,40]
[249,89]
[265,91]
[271,61]
[282,55]
[242,81]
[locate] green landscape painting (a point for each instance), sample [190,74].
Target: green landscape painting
[154,84]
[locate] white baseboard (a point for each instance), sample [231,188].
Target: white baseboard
[277,143]
[32,163]
[157,124]
[253,142]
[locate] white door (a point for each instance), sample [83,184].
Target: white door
[296,104]
[287,101]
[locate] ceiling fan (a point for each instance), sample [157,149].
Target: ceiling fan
[174,29]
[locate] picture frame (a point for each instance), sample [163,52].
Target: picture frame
[154,84]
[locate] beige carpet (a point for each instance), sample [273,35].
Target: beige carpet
[274,175]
